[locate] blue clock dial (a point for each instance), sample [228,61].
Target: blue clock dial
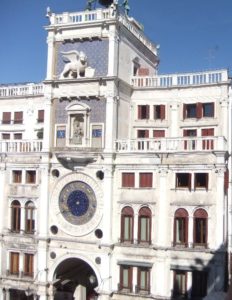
[77,202]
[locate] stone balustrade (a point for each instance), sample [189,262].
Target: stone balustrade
[21,90]
[100,15]
[20,146]
[186,79]
[172,145]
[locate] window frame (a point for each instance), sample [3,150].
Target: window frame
[17,176]
[14,263]
[15,216]
[127,212]
[30,177]
[147,271]
[28,266]
[146,215]
[40,116]
[146,180]
[183,186]
[183,287]
[182,215]
[128,182]
[200,219]
[6,117]
[18,117]
[30,217]
[129,285]
[197,184]
[143,112]
[159,112]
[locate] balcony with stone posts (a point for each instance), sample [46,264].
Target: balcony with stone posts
[21,90]
[172,145]
[184,80]
[21,146]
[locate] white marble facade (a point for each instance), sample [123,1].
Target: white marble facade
[114,179]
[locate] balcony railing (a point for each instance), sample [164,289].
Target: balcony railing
[186,79]
[97,15]
[20,146]
[21,90]
[172,144]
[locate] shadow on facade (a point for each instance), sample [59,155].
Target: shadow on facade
[202,281]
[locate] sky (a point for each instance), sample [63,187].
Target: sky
[193,35]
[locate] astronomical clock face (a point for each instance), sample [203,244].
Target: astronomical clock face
[77,203]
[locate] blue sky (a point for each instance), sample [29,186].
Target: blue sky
[193,35]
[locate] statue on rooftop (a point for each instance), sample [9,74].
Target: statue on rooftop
[126,6]
[89,4]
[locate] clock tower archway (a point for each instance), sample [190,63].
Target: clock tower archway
[75,279]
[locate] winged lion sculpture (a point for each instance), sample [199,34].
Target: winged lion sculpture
[76,65]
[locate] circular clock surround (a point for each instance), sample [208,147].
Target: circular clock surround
[84,222]
[77,202]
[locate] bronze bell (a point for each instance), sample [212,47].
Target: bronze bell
[105,2]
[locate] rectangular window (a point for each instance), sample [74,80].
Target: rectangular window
[180,231]
[183,180]
[127,229]
[189,111]
[16,176]
[28,265]
[30,176]
[208,110]
[126,278]
[199,284]
[18,136]
[6,117]
[143,133]
[143,112]
[144,229]
[159,133]
[200,231]
[143,283]
[145,180]
[159,112]
[14,263]
[29,218]
[18,117]
[128,179]
[180,284]
[40,116]
[5,136]
[201,180]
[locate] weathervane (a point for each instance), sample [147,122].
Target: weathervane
[108,3]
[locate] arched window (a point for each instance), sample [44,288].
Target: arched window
[181,227]
[29,217]
[200,234]
[144,226]
[127,224]
[15,216]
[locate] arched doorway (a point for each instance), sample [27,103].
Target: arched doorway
[74,279]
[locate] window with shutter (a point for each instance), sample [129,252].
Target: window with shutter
[145,180]
[127,224]
[28,265]
[18,117]
[159,133]
[40,116]
[6,118]
[14,263]
[143,112]
[201,180]
[128,180]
